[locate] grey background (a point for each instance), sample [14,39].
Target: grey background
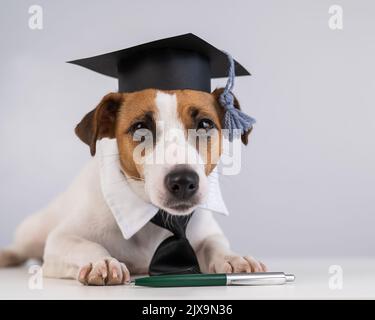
[307,181]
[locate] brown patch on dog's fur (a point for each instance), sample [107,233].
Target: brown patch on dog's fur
[194,106]
[135,106]
[111,119]
[100,122]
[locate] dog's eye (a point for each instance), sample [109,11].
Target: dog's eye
[205,124]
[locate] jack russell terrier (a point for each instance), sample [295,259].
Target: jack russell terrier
[79,234]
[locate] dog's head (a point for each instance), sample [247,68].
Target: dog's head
[169,140]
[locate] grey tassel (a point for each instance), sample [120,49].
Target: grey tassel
[235,121]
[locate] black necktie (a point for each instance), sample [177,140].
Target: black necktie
[175,254]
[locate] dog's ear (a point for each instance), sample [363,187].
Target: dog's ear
[216,93]
[100,122]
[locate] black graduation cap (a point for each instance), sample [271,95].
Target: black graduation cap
[181,62]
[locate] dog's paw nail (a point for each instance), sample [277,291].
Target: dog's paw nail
[236,264]
[104,272]
[256,266]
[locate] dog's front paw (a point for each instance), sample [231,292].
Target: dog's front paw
[235,264]
[104,272]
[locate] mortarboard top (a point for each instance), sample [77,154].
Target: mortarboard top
[181,62]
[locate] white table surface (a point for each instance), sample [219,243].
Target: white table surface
[312,276]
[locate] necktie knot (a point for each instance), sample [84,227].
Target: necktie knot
[175,224]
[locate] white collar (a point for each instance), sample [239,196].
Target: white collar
[129,209]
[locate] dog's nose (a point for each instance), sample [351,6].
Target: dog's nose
[183,184]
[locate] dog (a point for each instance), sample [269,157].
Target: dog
[77,236]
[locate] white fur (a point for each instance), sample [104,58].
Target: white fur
[172,148]
[78,237]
